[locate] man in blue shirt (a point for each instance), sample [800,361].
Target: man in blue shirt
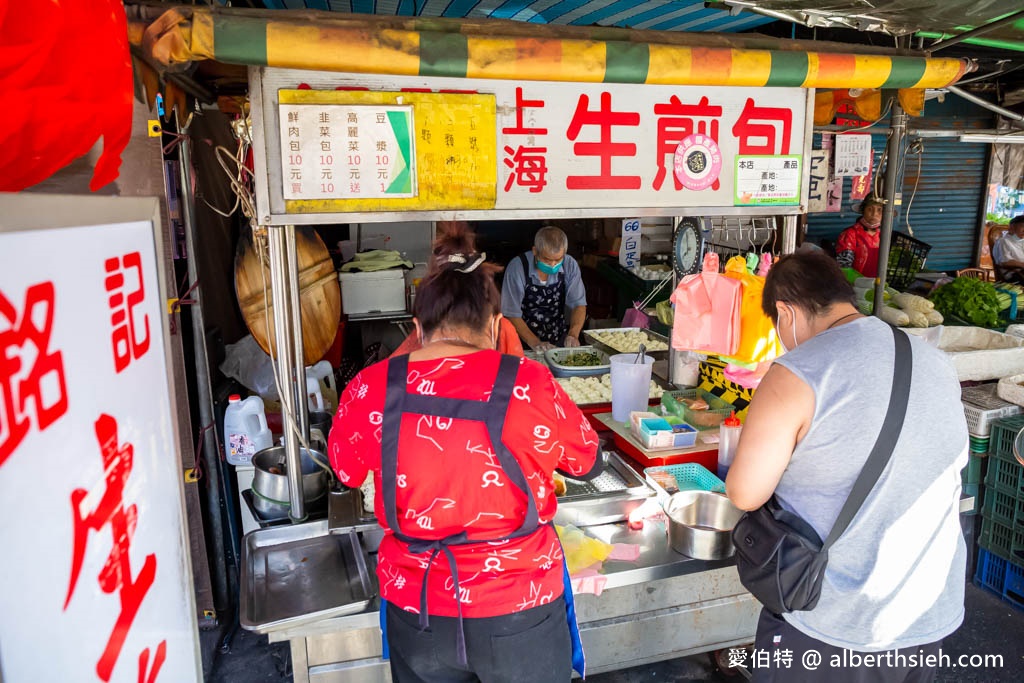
[540,287]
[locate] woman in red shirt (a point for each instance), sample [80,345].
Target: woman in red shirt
[463,442]
[857,246]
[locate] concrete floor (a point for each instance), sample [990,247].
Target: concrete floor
[991,627]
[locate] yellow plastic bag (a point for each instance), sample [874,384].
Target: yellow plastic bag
[758,341]
[581,551]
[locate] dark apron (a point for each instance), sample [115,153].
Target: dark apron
[544,307]
[492,413]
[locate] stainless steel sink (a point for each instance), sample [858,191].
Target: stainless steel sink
[608,498]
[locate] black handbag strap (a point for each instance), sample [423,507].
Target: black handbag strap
[886,441]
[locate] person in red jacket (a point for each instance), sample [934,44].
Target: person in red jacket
[857,246]
[463,443]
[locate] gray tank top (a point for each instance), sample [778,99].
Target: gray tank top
[896,577]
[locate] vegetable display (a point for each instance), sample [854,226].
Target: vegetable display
[974,301]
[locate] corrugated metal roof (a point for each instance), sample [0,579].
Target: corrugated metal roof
[658,15]
[946,211]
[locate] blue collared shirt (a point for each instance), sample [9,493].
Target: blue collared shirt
[514,286]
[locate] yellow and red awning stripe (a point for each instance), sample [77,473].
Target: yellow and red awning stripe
[326,42]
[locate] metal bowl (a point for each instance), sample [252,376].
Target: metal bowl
[700,524]
[270,479]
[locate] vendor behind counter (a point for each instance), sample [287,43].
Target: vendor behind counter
[541,287]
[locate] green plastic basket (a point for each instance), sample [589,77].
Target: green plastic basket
[712,418]
[689,476]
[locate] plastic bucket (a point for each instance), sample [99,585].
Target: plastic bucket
[630,384]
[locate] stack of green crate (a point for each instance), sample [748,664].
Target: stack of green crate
[982,408]
[1002,528]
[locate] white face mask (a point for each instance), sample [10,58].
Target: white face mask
[792,328]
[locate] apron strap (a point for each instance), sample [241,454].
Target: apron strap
[492,413]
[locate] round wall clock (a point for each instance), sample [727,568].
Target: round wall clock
[688,245]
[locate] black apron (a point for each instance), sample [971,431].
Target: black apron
[544,307]
[492,413]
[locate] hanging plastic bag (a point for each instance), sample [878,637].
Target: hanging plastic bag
[635,317]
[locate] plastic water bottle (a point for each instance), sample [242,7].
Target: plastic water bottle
[245,429]
[728,438]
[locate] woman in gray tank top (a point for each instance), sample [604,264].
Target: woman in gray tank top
[894,584]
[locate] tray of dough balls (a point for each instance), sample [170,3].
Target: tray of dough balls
[628,340]
[597,390]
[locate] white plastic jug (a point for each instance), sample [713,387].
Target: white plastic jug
[324,375]
[245,429]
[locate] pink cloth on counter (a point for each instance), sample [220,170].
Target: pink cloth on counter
[625,552]
[588,581]
[707,311]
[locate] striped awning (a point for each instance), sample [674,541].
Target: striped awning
[505,50]
[657,15]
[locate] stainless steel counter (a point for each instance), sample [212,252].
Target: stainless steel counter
[662,606]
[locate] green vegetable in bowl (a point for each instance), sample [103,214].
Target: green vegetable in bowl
[972,300]
[581,359]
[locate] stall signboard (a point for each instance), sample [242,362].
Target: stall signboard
[97,580]
[579,145]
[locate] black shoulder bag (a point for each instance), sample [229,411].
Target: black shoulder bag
[780,558]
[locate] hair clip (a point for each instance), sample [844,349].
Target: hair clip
[472,266]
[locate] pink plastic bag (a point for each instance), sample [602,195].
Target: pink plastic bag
[634,317]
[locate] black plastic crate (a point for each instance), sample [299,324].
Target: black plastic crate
[906,259]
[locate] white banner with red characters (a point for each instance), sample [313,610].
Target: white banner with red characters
[566,145]
[97,581]
[607,145]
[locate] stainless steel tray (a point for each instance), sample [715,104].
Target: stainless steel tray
[594,341]
[608,498]
[301,573]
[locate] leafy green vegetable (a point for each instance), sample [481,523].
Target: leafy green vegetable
[580,359]
[972,300]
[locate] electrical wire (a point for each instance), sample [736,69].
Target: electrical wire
[916,147]
[881,118]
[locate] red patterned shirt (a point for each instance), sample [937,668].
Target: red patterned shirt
[449,480]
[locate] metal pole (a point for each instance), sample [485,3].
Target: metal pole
[301,401]
[279,286]
[211,447]
[894,156]
[1012,116]
[984,28]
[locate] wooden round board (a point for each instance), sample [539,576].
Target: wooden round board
[320,294]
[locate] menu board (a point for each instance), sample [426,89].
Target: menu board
[386,151]
[353,151]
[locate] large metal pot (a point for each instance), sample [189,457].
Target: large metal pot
[270,479]
[700,524]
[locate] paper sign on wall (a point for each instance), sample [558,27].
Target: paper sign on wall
[853,154]
[629,246]
[817,197]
